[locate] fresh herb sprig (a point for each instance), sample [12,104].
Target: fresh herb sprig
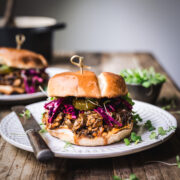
[148,125]
[161,132]
[26,114]
[133,138]
[67,144]
[43,128]
[131,177]
[145,77]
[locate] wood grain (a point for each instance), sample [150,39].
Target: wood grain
[19,164]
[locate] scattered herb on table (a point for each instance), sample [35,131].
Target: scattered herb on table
[131,177]
[26,114]
[178,161]
[145,77]
[148,125]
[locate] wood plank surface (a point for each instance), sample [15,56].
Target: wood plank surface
[19,164]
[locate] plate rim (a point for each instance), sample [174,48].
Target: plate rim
[62,154]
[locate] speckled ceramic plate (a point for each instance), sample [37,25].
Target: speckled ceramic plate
[12,131]
[29,97]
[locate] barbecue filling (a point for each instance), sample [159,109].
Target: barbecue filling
[29,79]
[89,122]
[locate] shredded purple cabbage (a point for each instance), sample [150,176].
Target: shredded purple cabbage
[53,108]
[35,78]
[107,118]
[69,109]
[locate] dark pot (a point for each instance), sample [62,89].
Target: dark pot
[38,32]
[150,95]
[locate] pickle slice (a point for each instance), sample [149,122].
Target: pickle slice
[4,69]
[84,104]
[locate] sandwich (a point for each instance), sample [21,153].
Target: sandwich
[87,110]
[21,71]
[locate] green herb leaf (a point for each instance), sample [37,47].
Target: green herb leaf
[148,125]
[26,114]
[43,130]
[116,178]
[145,77]
[126,141]
[134,137]
[67,144]
[178,161]
[153,135]
[133,177]
[161,131]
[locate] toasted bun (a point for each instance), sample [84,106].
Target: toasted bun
[87,85]
[6,89]
[21,58]
[112,137]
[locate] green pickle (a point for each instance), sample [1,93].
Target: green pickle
[84,104]
[5,69]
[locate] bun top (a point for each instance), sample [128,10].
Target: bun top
[87,85]
[21,58]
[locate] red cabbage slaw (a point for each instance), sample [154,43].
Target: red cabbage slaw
[35,78]
[55,105]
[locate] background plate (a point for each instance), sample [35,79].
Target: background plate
[26,98]
[12,131]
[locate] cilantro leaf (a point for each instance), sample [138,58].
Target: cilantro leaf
[161,131]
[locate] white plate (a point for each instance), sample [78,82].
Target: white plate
[12,131]
[26,97]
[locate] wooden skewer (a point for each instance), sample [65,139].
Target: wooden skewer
[80,63]
[20,38]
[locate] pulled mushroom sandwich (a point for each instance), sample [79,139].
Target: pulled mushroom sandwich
[21,71]
[88,110]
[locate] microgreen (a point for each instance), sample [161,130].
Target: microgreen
[67,144]
[43,130]
[131,177]
[26,114]
[126,141]
[153,135]
[135,138]
[148,125]
[161,131]
[178,161]
[128,99]
[145,77]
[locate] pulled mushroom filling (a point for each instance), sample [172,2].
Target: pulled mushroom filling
[27,79]
[87,116]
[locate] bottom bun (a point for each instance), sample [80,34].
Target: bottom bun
[7,89]
[68,135]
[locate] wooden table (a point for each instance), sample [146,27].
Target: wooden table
[18,164]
